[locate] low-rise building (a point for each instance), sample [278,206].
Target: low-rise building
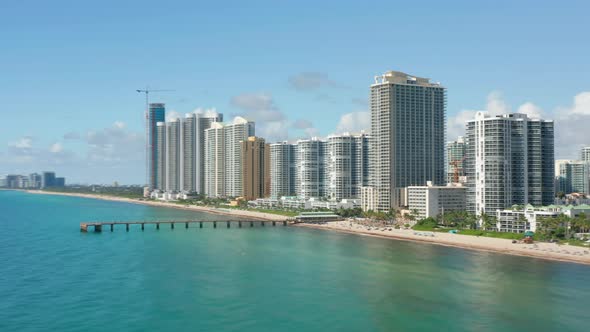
[431,201]
[520,220]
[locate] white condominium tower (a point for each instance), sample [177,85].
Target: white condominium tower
[161,156]
[223,162]
[173,152]
[347,165]
[203,121]
[310,171]
[509,160]
[189,156]
[282,169]
[407,137]
[215,161]
[193,149]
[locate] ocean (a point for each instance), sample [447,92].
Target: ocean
[55,278]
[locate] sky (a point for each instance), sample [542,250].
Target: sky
[69,70]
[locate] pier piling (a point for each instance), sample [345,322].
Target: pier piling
[142,226]
[127,227]
[112,227]
[251,224]
[186,225]
[157,225]
[200,224]
[172,225]
[274,223]
[98,228]
[215,224]
[240,224]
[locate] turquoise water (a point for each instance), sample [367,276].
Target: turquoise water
[55,278]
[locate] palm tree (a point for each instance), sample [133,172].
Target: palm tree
[487,221]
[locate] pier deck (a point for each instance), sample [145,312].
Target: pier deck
[97,226]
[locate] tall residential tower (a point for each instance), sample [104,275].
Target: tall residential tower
[510,160]
[156,113]
[407,137]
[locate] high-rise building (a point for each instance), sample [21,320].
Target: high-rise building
[173,158]
[239,130]
[310,174]
[282,169]
[189,153]
[255,168]
[203,122]
[156,113]
[227,147]
[347,166]
[572,176]
[215,160]
[509,160]
[455,159]
[48,179]
[161,156]
[585,154]
[407,136]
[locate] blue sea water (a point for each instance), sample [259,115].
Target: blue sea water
[55,278]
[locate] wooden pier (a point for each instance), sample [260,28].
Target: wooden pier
[98,226]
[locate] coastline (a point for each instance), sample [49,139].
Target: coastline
[540,250]
[196,208]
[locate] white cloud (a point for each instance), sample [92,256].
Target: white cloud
[119,124]
[354,122]
[495,105]
[581,104]
[531,110]
[208,112]
[25,142]
[172,115]
[271,122]
[56,148]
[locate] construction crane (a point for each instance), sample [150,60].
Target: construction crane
[148,143]
[455,164]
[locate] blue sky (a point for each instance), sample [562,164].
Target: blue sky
[69,69]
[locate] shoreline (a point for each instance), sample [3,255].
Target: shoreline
[539,250]
[196,208]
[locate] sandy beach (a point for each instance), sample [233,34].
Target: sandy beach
[541,250]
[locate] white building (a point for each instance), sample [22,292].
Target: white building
[160,176]
[282,169]
[347,165]
[585,154]
[407,136]
[509,160]
[431,201]
[310,171]
[223,162]
[526,219]
[173,155]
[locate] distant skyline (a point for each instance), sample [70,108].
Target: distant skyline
[70,70]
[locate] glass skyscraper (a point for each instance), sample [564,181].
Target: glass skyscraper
[156,113]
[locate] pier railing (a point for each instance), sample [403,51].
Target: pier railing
[98,226]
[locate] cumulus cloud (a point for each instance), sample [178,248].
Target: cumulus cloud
[571,127]
[495,105]
[56,148]
[170,116]
[208,112]
[531,110]
[309,81]
[271,122]
[25,142]
[114,144]
[354,122]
